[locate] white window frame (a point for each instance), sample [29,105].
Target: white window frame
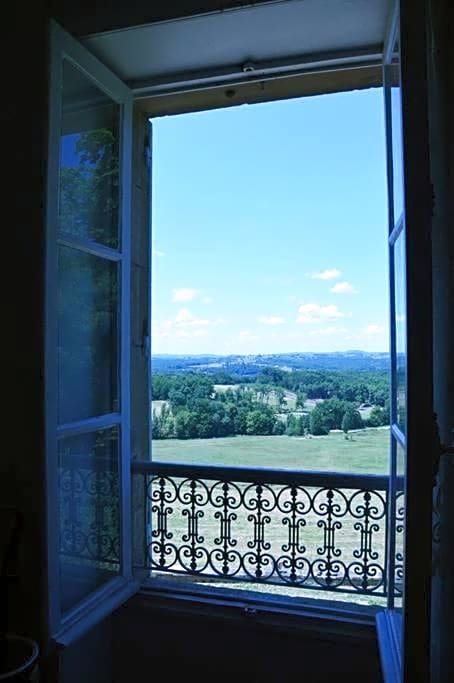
[65,628]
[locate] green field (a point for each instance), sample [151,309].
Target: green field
[365,451]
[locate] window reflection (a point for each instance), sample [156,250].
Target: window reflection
[89,513]
[89,161]
[397,143]
[401,335]
[87,335]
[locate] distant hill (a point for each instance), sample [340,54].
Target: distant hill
[251,365]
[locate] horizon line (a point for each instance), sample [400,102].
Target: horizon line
[278,353]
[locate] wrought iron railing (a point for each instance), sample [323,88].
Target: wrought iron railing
[89,514]
[324,530]
[320,530]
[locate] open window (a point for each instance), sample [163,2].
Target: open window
[97,353]
[88,347]
[404,628]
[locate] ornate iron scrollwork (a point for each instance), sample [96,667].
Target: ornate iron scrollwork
[321,537]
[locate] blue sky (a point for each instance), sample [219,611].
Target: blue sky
[269,228]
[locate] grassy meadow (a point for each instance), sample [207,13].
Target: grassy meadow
[365,451]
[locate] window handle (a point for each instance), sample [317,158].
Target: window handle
[145,340]
[439,449]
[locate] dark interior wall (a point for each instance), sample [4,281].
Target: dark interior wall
[441,119]
[24,116]
[149,637]
[90,660]
[85,17]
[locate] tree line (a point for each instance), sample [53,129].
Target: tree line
[193,408]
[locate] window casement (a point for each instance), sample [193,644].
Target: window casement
[88,345]
[102,488]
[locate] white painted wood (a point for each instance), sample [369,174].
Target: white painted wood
[50,365]
[224,40]
[97,605]
[392,31]
[94,609]
[406,656]
[389,626]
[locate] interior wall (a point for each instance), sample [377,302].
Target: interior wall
[80,19]
[234,644]
[24,116]
[90,659]
[441,120]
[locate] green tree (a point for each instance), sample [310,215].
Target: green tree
[301,398]
[351,420]
[291,426]
[260,422]
[333,410]
[89,190]
[296,425]
[279,394]
[378,417]
[186,425]
[317,423]
[279,428]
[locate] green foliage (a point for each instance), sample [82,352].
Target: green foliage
[301,398]
[351,420]
[317,425]
[162,424]
[186,425]
[351,386]
[279,428]
[260,422]
[297,425]
[379,416]
[88,286]
[196,410]
[89,190]
[330,414]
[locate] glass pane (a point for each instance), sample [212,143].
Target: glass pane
[397,143]
[89,513]
[400,361]
[89,161]
[399,523]
[87,335]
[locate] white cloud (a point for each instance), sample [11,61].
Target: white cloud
[314,313]
[373,328]
[271,319]
[207,300]
[248,336]
[343,288]
[327,274]
[328,331]
[184,294]
[185,325]
[185,318]
[189,334]
[158,252]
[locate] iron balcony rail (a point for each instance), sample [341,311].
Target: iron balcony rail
[321,530]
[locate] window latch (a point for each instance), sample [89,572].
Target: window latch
[439,449]
[145,340]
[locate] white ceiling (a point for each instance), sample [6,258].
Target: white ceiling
[224,41]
